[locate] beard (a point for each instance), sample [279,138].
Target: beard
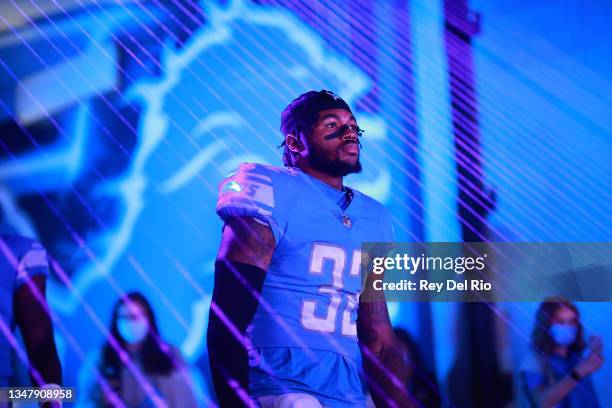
[322,161]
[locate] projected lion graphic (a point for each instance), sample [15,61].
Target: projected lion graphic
[217,103]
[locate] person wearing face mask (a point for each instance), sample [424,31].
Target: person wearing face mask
[136,367]
[557,371]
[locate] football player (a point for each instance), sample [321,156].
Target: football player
[286,327]
[23,272]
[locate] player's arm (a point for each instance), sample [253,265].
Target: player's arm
[384,365]
[32,318]
[243,259]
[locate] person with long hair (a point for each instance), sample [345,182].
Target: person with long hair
[135,366]
[557,371]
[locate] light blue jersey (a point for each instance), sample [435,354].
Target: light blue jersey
[20,259]
[311,291]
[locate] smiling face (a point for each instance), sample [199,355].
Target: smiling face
[333,145]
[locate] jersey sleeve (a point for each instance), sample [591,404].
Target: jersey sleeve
[250,192]
[32,261]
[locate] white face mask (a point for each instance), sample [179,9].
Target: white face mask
[133,331]
[563,334]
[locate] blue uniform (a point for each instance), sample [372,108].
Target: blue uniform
[20,259]
[305,325]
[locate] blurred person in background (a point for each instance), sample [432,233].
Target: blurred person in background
[557,371]
[422,384]
[24,268]
[136,366]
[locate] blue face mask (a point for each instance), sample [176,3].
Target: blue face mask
[133,330]
[563,334]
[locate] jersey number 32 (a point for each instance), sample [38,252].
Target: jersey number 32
[327,322]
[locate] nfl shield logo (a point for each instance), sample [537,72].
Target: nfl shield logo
[347,221]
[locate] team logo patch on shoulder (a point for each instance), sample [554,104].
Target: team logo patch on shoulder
[232,186]
[247,190]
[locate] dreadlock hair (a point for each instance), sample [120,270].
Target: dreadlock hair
[305,129]
[300,116]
